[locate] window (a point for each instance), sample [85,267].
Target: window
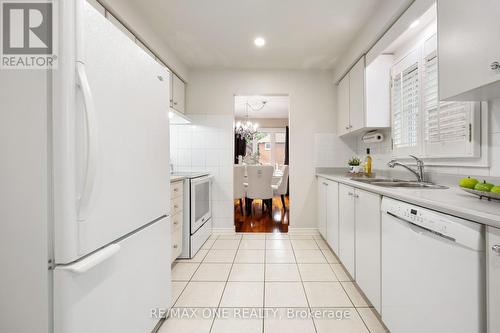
[421,124]
[270,144]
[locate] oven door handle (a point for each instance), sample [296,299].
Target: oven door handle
[202,179]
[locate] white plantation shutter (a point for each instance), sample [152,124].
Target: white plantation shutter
[448,126]
[421,124]
[405,104]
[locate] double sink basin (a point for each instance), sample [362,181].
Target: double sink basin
[398,183]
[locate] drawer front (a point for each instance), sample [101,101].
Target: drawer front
[176,243]
[176,221]
[176,189]
[176,205]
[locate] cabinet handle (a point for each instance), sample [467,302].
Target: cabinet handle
[496,249]
[176,246]
[495,65]
[347,127]
[175,103]
[176,189]
[325,184]
[175,206]
[176,222]
[350,193]
[356,196]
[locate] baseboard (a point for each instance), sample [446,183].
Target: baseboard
[223,230]
[302,231]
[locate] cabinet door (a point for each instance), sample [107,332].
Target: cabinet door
[322,192]
[178,94]
[332,215]
[343,106]
[357,96]
[493,255]
[346,228]
[368,245]
[468,46]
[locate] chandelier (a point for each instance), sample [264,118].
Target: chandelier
[247,129]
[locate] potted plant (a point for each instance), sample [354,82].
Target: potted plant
[354,165]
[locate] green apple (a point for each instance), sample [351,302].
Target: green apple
[495,189]
[468,182]
[484,186]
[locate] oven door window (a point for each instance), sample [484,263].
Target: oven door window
[202,197]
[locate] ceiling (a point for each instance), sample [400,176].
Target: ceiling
[300,34]
[275,106]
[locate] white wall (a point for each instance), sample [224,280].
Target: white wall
[312,102]
[207,145]
[387,12]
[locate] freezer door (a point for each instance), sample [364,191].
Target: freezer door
[122,142]
[116,289]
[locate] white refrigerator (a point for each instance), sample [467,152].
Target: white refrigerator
[111,180]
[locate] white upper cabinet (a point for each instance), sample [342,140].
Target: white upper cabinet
[343,106]
[357,96]
[178,101]
[469,52]
[363,96]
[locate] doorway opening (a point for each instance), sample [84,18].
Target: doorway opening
[261,163]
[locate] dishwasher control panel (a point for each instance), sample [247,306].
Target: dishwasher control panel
[448,226]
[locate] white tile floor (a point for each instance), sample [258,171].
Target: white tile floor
[272,275]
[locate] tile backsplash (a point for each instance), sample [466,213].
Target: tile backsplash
[207,145]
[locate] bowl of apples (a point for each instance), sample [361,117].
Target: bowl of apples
[483,189]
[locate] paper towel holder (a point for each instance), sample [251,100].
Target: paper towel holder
[373,137]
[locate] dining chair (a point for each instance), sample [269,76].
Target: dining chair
[259,186]
[282,187]
[238,185]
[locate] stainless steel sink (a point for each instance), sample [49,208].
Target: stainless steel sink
[398,183]
[410,185]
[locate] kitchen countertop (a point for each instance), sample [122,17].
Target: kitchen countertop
[177,176]
[453,201]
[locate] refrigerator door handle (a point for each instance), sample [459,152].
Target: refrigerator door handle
[91,261]
[90,118]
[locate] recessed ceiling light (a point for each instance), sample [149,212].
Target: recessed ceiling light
[414,24]
[259,42]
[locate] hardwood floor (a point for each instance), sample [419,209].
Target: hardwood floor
[262,221]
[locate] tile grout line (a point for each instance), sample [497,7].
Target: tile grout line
[303,287]
[340,282]
[190,278]
[227,280]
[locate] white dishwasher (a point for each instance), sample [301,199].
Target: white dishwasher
[433,268]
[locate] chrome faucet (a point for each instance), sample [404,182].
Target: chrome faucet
[419,173]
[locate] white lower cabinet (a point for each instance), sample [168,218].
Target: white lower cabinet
[332,215]
[359,238]
[368,245]
[346,251]
[322,192]
[176,210]
[493,278]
